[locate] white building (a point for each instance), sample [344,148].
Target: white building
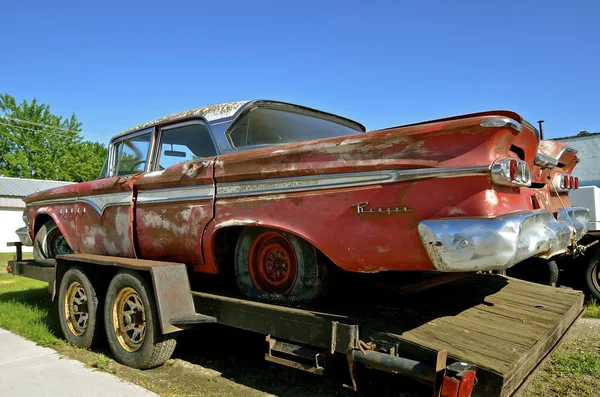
[588,151]
[12,191]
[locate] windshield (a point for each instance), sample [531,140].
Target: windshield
[264,126]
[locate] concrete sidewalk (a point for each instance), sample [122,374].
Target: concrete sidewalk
[30,370]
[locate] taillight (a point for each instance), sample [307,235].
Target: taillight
[511,172]
[565,182]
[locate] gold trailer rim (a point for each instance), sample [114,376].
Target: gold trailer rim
[76,308]
[129,319]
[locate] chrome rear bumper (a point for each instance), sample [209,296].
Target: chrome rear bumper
[474,244]
[24,236]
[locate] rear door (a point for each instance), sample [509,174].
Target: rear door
[175,201]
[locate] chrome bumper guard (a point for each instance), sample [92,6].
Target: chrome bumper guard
[475,244]
[24,236]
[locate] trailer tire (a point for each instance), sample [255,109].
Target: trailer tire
[130,304]
[78,308]
[48,243]
[592,276]
[277,266]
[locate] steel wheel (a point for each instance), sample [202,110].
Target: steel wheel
[78,305]
[56,243]
[272,263]
[76,309]
[129,319]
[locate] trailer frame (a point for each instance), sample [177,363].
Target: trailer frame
[305,338]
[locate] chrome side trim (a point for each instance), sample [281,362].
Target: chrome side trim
[563,150]
[174,194]
[502,122]
[545,161]
[268,186]
[330,181]
[66,200]
[101,201]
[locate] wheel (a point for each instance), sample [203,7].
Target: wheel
[78,308]
[592,276]
[49,242]
[536,271]
[131,323]
[277,266]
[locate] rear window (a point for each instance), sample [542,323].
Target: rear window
[263,126]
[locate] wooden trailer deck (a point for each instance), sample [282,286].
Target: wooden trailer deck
[505,326]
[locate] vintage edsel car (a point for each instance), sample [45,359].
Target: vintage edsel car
[280,192]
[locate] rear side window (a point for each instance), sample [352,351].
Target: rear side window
[263,126]
[185,143]
[131,154]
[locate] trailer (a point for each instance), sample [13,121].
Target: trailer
[479,335]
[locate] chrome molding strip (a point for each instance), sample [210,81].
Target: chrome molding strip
[268,186]
[330,181]
[563,150]
[174,194]
[101,201]
[545,161]
[67,200]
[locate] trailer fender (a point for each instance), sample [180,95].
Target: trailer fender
[172,292]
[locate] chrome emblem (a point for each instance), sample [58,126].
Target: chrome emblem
[362,208]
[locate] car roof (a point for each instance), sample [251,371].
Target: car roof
[224,111]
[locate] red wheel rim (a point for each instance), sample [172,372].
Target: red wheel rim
[272,263]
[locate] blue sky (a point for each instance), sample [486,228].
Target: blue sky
[117,64]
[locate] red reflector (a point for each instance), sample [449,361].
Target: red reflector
[514,169]
[459,386]
[466,385]
[572,182]
[576,186]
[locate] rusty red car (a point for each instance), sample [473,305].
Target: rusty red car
[279,193]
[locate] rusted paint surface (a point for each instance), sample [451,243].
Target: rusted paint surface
[175,214]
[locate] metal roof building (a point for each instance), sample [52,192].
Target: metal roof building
[587,145]
[12,191]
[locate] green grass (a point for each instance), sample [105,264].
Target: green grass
[9,256]
[26,309]
[592,309]
[579,364]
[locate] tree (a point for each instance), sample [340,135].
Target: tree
[38,144]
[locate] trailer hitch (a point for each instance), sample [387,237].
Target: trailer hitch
[455,380]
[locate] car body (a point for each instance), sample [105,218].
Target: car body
[467,193]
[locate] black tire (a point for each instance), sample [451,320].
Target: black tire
[591,276]
[537,271]
[154,348]
[311,273]
[48,243]
[78,308]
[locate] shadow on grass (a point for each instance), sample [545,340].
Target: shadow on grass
[36,298]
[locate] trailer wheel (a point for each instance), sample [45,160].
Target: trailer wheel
[277,266]
[78,307]
[592,276]
[131,323]
[49,242]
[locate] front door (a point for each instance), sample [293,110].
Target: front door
[175,202]
[104,206]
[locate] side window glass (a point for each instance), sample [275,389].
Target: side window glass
[185,143]
[132,154]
